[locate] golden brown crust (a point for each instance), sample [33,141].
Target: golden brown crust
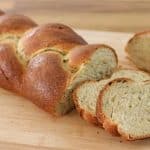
[84,114]
[54,36]
[81,54]
[142,33]
[44,88]
[10,69]
[45,81]
[15,24]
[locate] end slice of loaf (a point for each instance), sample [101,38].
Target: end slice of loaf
[123,108]
[86,94]
[138,50]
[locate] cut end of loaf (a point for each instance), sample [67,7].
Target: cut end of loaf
[118,101]
[138,50]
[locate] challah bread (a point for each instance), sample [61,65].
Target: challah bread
[86,94]
[44,62]
[123,108]
[138,50]
[12,28]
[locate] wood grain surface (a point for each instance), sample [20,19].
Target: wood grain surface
[112,15]
[23,126]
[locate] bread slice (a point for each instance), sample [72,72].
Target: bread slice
[86,94]
[138,50]
[123,108]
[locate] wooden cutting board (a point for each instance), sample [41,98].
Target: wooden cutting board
[23,126]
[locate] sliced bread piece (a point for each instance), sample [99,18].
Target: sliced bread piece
[123,108]
[86,94]
[138,50]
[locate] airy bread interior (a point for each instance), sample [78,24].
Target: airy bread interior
[127,105]
[101,64]
[87,93]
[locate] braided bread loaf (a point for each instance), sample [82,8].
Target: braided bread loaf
[46,63]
